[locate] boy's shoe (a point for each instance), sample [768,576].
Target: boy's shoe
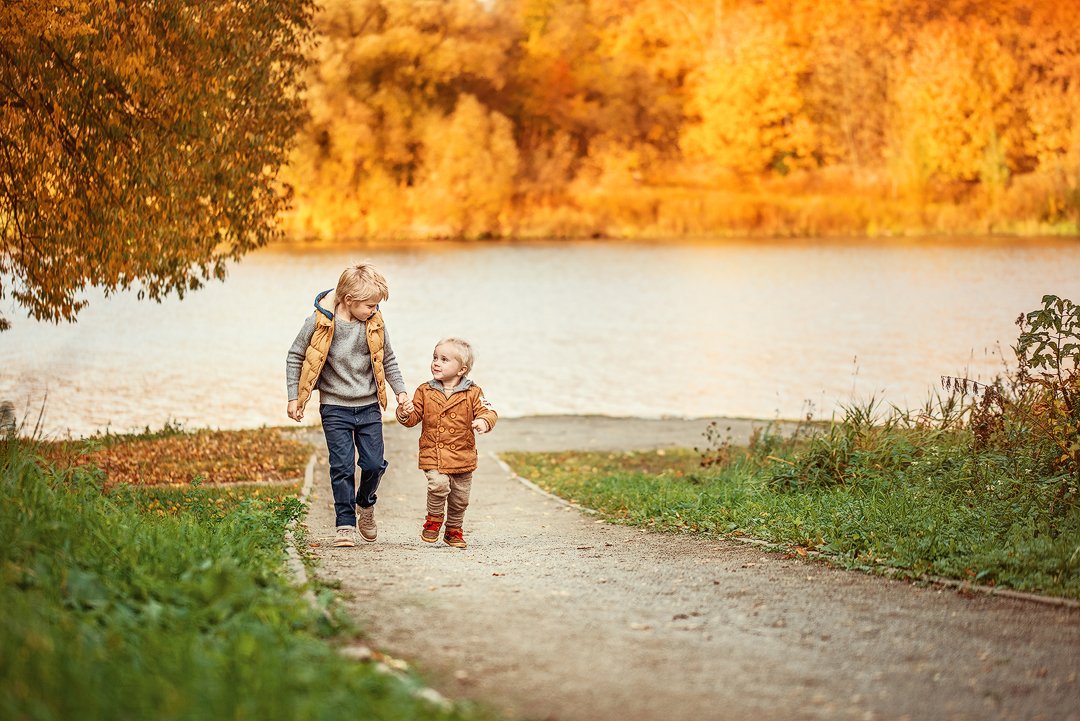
[453,537]
[365,522]
[431,528]
[345,537]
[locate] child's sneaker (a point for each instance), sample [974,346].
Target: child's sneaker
[431,528]
[453,537]
[345,537]
[365,522]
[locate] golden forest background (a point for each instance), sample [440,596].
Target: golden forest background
[664,118]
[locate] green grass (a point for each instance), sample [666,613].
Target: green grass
[918,504]
[117,608]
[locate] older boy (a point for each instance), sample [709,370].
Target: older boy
[343,349]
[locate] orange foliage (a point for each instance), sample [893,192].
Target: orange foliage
[212,456]
[684,117]
[140,142]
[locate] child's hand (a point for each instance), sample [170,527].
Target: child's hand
[295,412]
[481,426]
[404,403]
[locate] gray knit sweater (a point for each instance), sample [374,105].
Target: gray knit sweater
[347,378]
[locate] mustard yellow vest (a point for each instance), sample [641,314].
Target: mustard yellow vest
[319,347]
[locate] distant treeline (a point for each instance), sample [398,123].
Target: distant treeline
[627,118]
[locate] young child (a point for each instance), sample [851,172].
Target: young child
[451,408]
[343,349]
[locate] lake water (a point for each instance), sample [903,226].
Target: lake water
[752,329]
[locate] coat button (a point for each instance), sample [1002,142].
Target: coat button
[440,445]
[441,429]
[453,447]
[453,415]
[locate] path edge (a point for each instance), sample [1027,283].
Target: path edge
[358,652]
[293,562]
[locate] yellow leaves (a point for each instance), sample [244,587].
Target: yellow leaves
[470,163]
[955,104]
[607,99]
[54,21]
[124,115]
[213,456]
[747,97]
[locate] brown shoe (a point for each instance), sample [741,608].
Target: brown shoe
[344,537]
[453,537]
[365,523]
[431,528]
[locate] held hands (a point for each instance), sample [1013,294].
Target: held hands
[405,405]
[481,426]
[295,412]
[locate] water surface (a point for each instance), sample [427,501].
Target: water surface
[753,329]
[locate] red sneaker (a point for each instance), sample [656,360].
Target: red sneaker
[453,537]
[431,528]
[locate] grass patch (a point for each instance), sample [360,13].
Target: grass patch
[166,603]
[913,519]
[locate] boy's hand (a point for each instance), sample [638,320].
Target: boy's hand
[404,403]
[481,426]
[295,412]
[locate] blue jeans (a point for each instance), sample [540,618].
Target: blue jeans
[347,431]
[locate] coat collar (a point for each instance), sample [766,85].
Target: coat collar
[458,395]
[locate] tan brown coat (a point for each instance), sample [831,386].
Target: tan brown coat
[447,440]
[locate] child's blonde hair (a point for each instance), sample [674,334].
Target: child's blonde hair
[362,282]
[464,351]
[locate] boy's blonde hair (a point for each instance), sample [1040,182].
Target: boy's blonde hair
[462,349]
[362,282]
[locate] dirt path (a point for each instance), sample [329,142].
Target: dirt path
[550,614]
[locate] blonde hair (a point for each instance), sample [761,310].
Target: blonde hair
[362,282]
[464,351]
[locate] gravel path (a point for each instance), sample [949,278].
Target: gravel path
[552,614]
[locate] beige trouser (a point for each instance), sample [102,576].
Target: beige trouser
[448,492]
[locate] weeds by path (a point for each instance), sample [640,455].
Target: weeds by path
[115,608]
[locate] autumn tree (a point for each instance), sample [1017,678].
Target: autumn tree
[846,50]
[954,105]
[746,101]
[140,142]
[385,72]
[597,85]
[636,107]
[1048,54]
[470,160]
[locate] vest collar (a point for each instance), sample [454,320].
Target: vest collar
[319,307]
